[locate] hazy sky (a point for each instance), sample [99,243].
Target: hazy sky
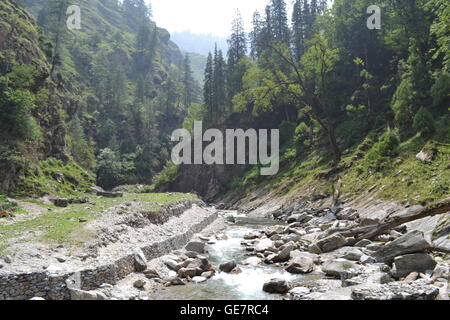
[204,16]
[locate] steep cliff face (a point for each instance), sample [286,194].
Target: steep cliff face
[116,79]
[29,98]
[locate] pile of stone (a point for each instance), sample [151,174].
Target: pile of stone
[396,265]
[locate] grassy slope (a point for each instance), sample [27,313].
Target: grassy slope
[58,226]
[402,178]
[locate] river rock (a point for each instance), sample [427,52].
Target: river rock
[365,259]
[228,266]
[188,272]
[196,246]
[140,261]
[275,230]
[172,264]
[299,292]
[441,271]
[412,242]
[328,244]
[417,290]
[208,274]
[283,255]
[300,265]
[363,243]
[199,279]
[139,284]
[263,244]
[338,266]
[253,261]
[350,253]
[252,236]
[347,214]
[276,286]
[420,262]
[152,274]
[191,254]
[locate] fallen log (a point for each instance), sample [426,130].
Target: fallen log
[370,232]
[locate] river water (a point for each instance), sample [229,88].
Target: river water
[244,286]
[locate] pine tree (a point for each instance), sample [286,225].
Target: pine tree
[279,18]
[190,91]
[237,50]
[255,35]
[209,85]
[219,88]
[298,29]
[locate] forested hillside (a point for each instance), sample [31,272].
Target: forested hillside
[94,98]
[353,104]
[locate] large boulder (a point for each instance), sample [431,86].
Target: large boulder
[328,244]
[337,267]
[350,253]
[275,230]
[228,266]
[264,245]
[297,253]
[276,286]
[283,255]
[300,265]
[196,246]
[107,194]
[412,242]
[419,262]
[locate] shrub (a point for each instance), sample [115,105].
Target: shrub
[424,122]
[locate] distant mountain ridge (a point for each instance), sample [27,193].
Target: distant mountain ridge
[199,43]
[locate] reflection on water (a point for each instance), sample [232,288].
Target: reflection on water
[244,286]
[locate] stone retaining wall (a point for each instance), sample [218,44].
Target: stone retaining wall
[23,286]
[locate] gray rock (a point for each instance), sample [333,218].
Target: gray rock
[62,203]
[329,244]
[228,266]
[365,259]
[253,261]
[140,261]
[252,236]
[7,259]
[283,255]
[315,257]
[420,262]
[350,253]
[373,247]
[192,254]
[188,272]
[275,230]
[396,291]
[300,265]
[139,284]
[279,286]
[441,271]
[152,274]
[336,267]
[199,279]
[172,264]
[299,292]
[196,246]
[412,242]
[263,245]
[363,243]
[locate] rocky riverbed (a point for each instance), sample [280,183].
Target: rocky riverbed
[296,253]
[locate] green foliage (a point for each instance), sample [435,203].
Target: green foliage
[53,177]
[113,170]
[167,175]
[424,122]
[440,92]
[381,152]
